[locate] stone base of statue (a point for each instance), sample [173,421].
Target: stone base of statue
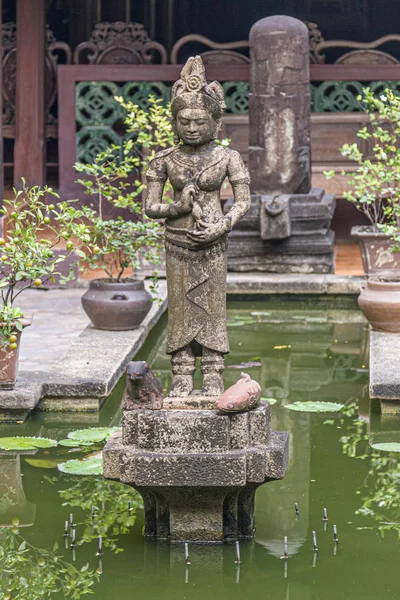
[289,233]
[196,469]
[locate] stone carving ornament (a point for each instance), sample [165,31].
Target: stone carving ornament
[196,229]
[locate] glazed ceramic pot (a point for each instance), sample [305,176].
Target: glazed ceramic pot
[9,360]
[116,306]
[379,302]
[376,252]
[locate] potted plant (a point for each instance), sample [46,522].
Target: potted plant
[114,244]
[375,190]
[28,260]
[375,184]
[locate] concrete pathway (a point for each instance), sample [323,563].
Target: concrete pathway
[58,318]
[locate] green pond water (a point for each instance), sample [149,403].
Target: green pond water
[297,350]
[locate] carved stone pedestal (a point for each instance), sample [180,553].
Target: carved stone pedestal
[196,469]
[303,243]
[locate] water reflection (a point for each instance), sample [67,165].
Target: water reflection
[14,507]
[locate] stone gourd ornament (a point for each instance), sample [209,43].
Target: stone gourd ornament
[196,229]
[244,395]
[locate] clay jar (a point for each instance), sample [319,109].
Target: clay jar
[9,360]
[379,302]
[116,306]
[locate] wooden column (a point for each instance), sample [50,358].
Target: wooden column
[29,152]
[1,120]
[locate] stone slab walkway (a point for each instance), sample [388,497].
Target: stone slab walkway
[65,363]
[384,373]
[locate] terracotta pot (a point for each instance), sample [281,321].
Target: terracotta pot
[9,360]
[376,252]
[379,302]
[116,306]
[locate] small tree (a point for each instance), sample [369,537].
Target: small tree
[114,244]
[27,256]
[375,184]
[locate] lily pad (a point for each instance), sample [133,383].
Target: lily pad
[261,313]
[270,400]
[315,406]
[42,464]
[92,434]
[26,443]
[387,446]
[90,466]
[74,443]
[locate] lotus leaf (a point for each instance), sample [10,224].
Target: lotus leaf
[74,443]
[315,406]
[92,434]
[43,464]
[387,446]
[270,400]
[90,466]
[26,443]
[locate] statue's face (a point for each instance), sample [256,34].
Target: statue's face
[195,126]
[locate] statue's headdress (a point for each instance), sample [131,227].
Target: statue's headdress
[193,91]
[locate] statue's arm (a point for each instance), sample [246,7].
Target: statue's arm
[239,179]
[241,202]
[154,206]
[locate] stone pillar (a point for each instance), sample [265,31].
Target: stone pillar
[279,107]
[29,153]
[287,229]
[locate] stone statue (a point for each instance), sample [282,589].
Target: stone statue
[196,229]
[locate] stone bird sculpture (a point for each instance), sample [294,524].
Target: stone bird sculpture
[244,395]
[143,389]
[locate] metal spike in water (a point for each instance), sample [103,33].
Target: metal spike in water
[296,508]
[93,512]
[100,550]
[325,518]
[285,548]
[335,537]
[73,535]
[237,561]
[314,537]
[187,553]
[65,528]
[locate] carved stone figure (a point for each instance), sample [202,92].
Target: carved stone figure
[143,389]
[197,469]
[196,229]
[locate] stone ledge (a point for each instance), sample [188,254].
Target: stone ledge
[85,375]
[293,283]
[384,374]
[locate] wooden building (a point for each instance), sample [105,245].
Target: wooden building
[64,60]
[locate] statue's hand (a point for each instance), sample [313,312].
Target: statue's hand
[208,232]
[185,202]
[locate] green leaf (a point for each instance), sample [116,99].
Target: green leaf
[74,443]
[26,443]
[50,463]
[92,434]
[270,400]
[91,466]
[315,406]
[387,446]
